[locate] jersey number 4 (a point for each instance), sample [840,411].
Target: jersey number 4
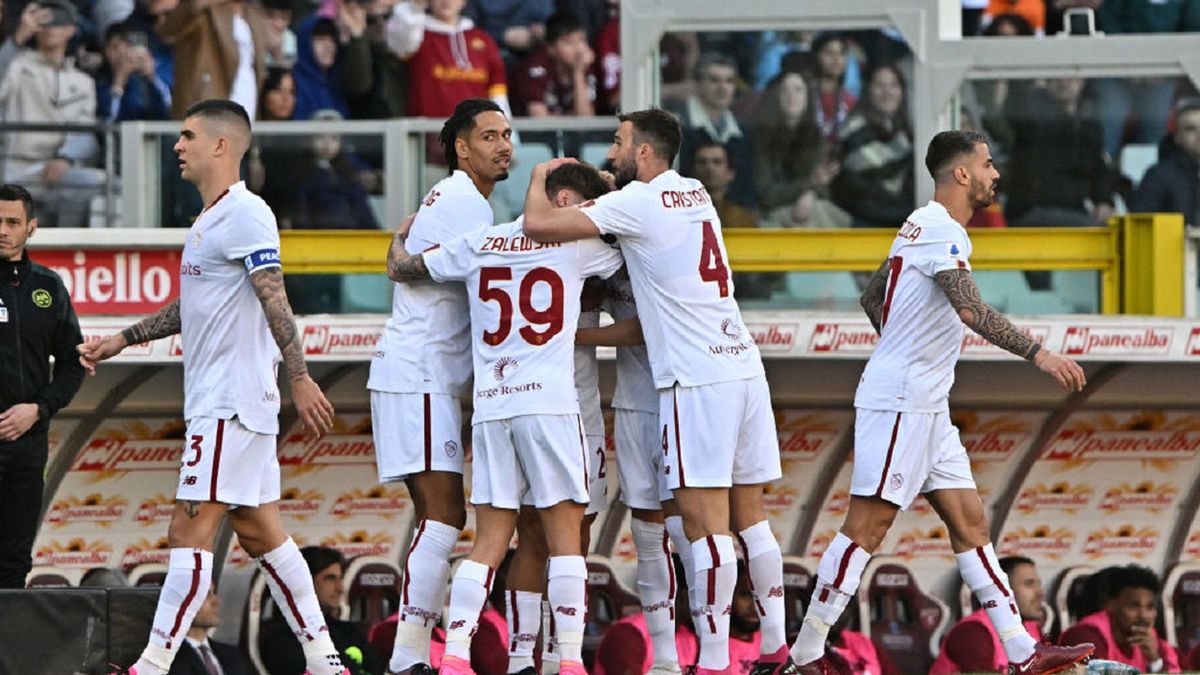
[712,264]
[551,317]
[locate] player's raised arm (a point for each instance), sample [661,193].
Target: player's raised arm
[872,297]
[546,223]
[163,323]
[622,333]
[960,288]
[314,409]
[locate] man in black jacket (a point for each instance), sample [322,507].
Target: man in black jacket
[36,322]
[1173,184]
[201,655]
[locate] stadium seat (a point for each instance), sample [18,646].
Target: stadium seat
[1070,586]
[818,290]
[903,620]
[372,591]
[1137,158]
[259,610]
[48,576]
[608,601]
[1079,289]
[1009,291]
[508,199]
[798,584]
[148,574]
[594,153]
[1181,606]
[366,294]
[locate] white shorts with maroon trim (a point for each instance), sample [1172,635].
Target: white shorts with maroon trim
[415,433]
[898,455]
[719,435]
[539,460]
[597,475]
[227,463]
[640,459]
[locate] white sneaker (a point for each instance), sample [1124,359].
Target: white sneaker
[661,669]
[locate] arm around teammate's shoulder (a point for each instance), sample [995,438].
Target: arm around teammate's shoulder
[545,222]
[963,294]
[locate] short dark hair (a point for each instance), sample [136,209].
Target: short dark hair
[580,177]
[1012,562]
[709,59]
[320,557]
[461,123]
[948,146]
[220,109]
[324,27]
[560,24]
[709,143]
[11,192]
[1019,23]
[1132,576]
[657,127]
[1187,106]
[119,30]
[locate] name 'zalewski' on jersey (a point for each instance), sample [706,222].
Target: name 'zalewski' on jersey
[230,360]
[912,367]
[670,236]
[524,299]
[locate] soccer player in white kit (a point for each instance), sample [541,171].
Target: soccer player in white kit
[421,366]
[904,444]
[235,323]
[717,428]
[528,439]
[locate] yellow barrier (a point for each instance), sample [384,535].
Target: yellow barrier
[1150,282]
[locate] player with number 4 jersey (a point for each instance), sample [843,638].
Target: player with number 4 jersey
[717,426]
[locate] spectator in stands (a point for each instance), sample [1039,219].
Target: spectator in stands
[220,52]
[875,182]
[104,577]
[127,86]
[329,194]
[38,322]
[200,655]
[274,161]
[1148,99]
[558,78]
[1124,630]
[374,79]
[1032,11]
[679,53]
[608,63]
[834,102]
[792,163]
[1059,173]
[145,16]
[449,58]
[626,649]
[318,80]
[277,102]
[517,26]
[708,116]
[988,97]
[973,645]
[1173,184]
[854,653]
[279,42]
[713,166]
[42,85]
[281,651]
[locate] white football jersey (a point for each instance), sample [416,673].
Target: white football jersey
[635,383]
[670,236]
[524,300]
[912,367]
[230,360]
[425,346]
[587,379]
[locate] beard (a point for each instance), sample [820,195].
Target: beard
[623,173]
[982,194]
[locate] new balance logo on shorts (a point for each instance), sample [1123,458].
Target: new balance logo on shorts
[456,625]
[567,611]
[189,480]
[775,592]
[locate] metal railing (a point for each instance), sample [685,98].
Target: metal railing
[108,160]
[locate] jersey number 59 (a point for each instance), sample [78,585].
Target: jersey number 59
[551,316]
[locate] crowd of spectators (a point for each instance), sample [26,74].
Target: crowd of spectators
[815,125]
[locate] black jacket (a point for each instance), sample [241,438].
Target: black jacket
[1170,186]
[189,662]
[40,324]
[282,655]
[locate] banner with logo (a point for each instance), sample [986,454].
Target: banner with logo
[60,429]
[1106,489]
[116,499]
[115,281]
[777,334]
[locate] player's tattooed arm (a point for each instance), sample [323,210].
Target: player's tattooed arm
[959,287]
[268,286]
[163,323]
[400,265]
[872,297]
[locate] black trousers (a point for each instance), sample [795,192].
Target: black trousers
[22,469]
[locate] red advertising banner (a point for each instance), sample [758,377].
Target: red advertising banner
[115,281]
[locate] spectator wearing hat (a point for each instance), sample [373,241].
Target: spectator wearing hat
[43,85]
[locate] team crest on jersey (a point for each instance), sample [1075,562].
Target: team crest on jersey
[197,238]
[42,298]
[731,329]
[451,449]
[503,366]
[897,481]
[478,44]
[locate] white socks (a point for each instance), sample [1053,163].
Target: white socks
[656,589]
[550,658]
[764,564]
[189,575]
[982,574]
[524,614]
[683,548]
[423,593]
[292,588]
[716,576]
[468,592]
[838,576]
[566,590]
